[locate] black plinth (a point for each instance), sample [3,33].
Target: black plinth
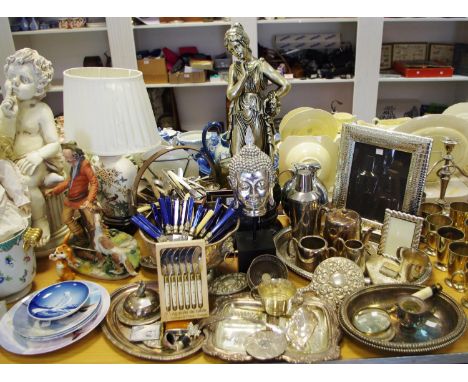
[249,248]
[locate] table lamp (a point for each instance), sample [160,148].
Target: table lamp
[108,113]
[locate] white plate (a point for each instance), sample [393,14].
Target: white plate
[310,122]
[459,110]
[28,327]
[14,343]
[58,301]
[437,127]
[290,114]
[304,149]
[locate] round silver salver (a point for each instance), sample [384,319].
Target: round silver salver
[228,284]
[265,344]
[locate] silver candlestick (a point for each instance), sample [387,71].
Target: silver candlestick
[447,170]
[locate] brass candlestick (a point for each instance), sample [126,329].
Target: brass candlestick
[447,170]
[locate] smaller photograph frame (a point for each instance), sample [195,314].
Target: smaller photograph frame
[399,230]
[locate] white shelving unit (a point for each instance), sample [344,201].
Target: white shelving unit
[444,90]
[200,103]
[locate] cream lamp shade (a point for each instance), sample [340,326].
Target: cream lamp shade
[107,111]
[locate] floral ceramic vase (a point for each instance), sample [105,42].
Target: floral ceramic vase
[116,176]
[17,268]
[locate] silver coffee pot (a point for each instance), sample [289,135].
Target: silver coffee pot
[302,197]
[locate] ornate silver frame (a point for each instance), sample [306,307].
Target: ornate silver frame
[418,221]
[418,147]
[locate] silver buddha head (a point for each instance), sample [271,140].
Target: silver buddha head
[252,178]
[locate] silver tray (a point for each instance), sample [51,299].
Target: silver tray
[443,325]
[240,316]
[281,240]
[119,333]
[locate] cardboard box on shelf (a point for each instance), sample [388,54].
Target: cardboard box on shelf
[187,78]
[154,70]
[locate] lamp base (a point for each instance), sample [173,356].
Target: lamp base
[122,224]
[116,176]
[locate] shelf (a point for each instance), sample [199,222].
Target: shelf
[183,25]
[423,19]
[57,86]
[187,85]
[455,78]
[322,81]
[58,31]
[310,20]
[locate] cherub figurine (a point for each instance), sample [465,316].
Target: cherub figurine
[15,206]
[82,188]
[30,122]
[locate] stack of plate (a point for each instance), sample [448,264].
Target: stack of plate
[54,317]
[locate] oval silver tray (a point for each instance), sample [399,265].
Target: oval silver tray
[374,261]
[241,316]
[119,333]
[445,315]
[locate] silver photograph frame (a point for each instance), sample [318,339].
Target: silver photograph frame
[418,147]
[393,216]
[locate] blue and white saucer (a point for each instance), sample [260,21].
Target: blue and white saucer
[36,330]
[11,341]
[58,301]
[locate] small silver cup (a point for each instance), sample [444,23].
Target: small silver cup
[433,223]
[312,250]
[353,250]
[457,262]
[425,210]
[459,213]
[446,236]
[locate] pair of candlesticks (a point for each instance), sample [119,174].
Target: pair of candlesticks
[174,216]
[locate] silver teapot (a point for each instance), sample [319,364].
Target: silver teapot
[302,196]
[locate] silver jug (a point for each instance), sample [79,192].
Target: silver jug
[302,197]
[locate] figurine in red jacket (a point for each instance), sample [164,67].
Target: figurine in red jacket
[81,188]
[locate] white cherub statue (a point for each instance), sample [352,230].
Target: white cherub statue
[30,122]
[15,205]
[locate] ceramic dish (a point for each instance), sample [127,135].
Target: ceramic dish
[442,325]
[311,330]
[310,122]
[459,110]
[35,330]
[191,138]
[14,343]
[58,301]
[290,114]
[119,334]
[304,149]
[437,127]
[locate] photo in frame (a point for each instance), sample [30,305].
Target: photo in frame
[380,169]
[399,230]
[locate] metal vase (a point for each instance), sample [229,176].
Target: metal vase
[302,197]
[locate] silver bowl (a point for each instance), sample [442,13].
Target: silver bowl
[444,324]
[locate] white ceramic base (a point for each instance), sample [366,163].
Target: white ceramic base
[56,240]
[18,295]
